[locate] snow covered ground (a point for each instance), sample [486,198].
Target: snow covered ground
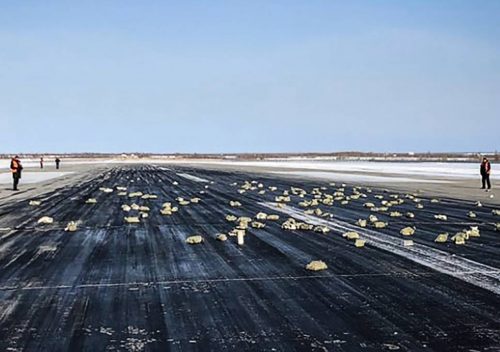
[375,171]
[31,177]
[389,169]
[348,177]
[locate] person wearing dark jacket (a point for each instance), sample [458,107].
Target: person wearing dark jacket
[485,173]
[16,168]
[57,163]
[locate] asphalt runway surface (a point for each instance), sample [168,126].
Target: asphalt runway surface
[113,286]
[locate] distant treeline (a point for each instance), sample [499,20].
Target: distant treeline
[349,155]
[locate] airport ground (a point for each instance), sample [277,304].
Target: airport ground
[117,286]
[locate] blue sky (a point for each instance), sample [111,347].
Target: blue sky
[249,76]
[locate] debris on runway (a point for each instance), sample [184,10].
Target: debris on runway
[274,266]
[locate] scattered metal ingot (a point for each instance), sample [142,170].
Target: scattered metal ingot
[273,217]
[379,224]
[441,217]
[135,194]
[441,238]
[234,203]
[231,218]
[144,208]
[135,206]
[351,235]
[261,216]
[471,214]
[361,223]
[120,188]
[290,224]
[410,215]
[194,239]
[373,218]
[420,206]
[34,202]
[71,227]
[322,229]
[244,219]
[132,219]
[166,211]
[359,243]
[91,201]
[434,200]
[459,238]
[126,207]
[316,265]
[149,196]
[495,211]
[473,231]
[479,204]
[258,225]
[395,214]
[106,190]
[369,205]
[304,226]
[221,237]
[122,193]
[195,200]
[407,231]
[45,220]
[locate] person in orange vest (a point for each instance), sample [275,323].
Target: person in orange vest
[16,168]
[485,174]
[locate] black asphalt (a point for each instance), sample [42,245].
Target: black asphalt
[113,286]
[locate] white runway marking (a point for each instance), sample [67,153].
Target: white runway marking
[192,178]
[477,274]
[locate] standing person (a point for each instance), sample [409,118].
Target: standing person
[16,168]
[485,173]
[41,162]
[57,162]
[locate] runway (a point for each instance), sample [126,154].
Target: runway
[115,286]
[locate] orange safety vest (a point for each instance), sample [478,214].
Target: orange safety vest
[14,166]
